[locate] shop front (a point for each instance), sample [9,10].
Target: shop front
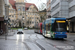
[71,24]
[2,26]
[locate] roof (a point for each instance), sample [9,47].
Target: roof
[60,18]
[27,5]
[12,2]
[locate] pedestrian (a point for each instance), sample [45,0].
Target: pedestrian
[1,31]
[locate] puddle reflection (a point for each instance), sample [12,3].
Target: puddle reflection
[20,37]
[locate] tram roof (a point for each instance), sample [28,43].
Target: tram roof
[51,20]
[56,19]
[60,18]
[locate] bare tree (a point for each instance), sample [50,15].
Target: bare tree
[42,6]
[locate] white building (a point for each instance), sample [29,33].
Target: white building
[59,8]
[64,9]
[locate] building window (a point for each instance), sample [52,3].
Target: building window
[12,20]
[9,6]
[19,9]
[9,11]
[32,22]
[23,8]
[72,8]
[12,16]
[70,1]
[26,13]
[14,11]
[27,8]
[22,16]
[53,1]
[56,15]
[55,7]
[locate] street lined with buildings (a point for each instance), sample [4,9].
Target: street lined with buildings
[56,21]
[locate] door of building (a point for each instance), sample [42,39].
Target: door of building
[0,25]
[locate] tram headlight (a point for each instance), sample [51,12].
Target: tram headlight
[66,33]
[54,33]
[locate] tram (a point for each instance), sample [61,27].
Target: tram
[38,28]
[54,28]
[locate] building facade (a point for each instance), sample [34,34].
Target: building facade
[12,16]
[71,18]
[25,13]
[64,9]
[32,15]
[20,6]
[4,5]
[48,9]
[59,8]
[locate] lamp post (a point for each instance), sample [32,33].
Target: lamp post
[22,23]
[5,32]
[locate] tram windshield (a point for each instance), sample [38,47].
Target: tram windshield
[60,27]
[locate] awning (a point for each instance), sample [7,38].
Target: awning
[73,20]
[1,18]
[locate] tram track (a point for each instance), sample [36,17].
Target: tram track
[61,41]
[34,41]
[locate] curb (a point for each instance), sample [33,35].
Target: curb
[70,33]
[74,40]
[9,34]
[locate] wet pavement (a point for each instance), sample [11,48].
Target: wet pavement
[33,41]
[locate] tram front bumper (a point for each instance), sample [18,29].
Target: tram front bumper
[60,35]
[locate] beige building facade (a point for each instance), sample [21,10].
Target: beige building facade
[12,16]
[26,14]
[17,13]
[32,16]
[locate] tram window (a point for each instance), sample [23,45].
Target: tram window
[48,26]
[38,27]
[53,27]
[41,27]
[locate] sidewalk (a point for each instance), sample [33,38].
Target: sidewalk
[11,45]
[10,33]
[71,37]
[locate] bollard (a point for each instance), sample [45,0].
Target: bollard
[5,36]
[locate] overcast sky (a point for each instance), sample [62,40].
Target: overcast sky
[37,2]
